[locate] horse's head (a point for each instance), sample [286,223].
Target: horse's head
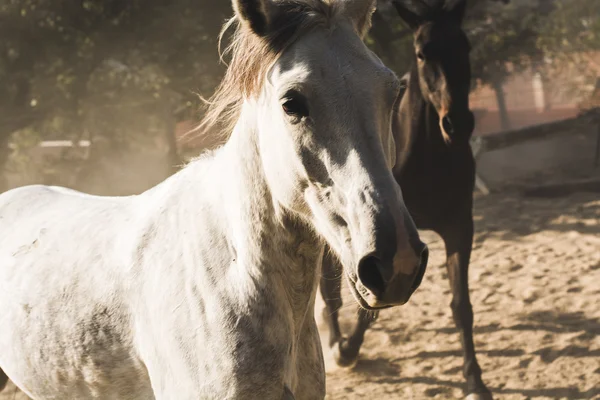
[442,52]
[324,104]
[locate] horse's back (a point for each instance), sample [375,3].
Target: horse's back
[66,330]
[47,229]
[59,215]
[37,198]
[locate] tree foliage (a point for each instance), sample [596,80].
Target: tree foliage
[569,39]
[104,67]
[123,72]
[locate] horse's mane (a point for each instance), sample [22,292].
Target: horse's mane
[251,57]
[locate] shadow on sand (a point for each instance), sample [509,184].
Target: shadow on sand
[383,370]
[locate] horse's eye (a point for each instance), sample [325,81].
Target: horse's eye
[421,56]
[294,105]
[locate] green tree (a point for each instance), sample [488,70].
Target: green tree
[570,41]
[60,60]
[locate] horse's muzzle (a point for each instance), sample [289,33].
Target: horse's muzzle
[380,284]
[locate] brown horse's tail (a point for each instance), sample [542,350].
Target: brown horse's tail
[3,380]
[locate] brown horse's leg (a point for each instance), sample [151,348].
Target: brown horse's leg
[3,380]
[345,349]
[331,291]
[458,238]
[346,354]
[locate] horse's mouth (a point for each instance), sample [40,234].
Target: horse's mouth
[359,297]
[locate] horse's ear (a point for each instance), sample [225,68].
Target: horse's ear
[457,11]
[256,14]
[360,13]
[413,20]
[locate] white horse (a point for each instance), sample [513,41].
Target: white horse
[204,286]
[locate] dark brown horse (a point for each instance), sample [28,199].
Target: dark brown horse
[436,171]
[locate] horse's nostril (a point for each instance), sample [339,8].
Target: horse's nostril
[370,274]
[422,268]
[447,124]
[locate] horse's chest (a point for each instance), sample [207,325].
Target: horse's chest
[436,183]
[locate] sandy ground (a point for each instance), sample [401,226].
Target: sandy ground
[535,289]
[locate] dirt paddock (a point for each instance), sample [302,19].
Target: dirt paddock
[535,289]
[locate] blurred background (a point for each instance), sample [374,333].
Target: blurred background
[98,95]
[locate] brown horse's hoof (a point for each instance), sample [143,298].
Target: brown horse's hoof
[287,394]
[3,380]
[480,396]
[343,355]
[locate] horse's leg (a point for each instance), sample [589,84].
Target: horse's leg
[3,380]
[345,349]
[458,238]
[287,394]
[346,354]
[331,291]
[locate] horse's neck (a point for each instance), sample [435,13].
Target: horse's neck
[270,243]
[418,130]
[409,119]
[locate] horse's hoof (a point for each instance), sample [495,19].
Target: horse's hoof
[343,356]
[480,396]
[287,394]
[3,380]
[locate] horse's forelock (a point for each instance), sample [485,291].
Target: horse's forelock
[251,57]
